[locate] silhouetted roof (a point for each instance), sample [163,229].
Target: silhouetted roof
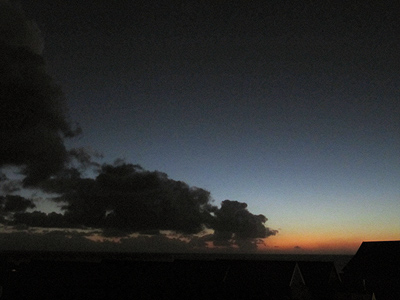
[194,279]
[259,278]
[318,273]
[376,268]
[204,271]
[376,259]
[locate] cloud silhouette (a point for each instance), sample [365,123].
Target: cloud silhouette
[70,240]
[17,31]
[15,203]
[41,219]
[234,220]
[124,199]
[10,186]
[235,225]
[128,198]
[33,120]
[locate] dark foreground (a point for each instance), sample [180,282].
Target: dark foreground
[69,276]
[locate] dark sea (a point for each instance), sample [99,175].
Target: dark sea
[25,256]
[340,260]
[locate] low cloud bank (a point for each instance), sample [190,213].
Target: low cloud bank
[124,199]
[121,199]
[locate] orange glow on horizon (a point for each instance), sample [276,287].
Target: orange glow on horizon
[311,245]
[325,240]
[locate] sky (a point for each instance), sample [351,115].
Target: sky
[292,108]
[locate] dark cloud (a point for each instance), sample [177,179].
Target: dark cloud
[235,225]
[53,240]
[15,203]
[17,31]
[124,199]
[10,186]
[198,243]
[67,240]
[86,241]
[156,243]
[249,245]
[33,119]
[3,177]
[84,157]
[41,219]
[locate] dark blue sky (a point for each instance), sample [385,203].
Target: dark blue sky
[292,108]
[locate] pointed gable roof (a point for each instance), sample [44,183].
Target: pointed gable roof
[377,266]
[297,276]
[248,279]
[319,273]
[376,259]
[277,273]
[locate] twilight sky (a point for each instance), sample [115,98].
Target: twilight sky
[291,108]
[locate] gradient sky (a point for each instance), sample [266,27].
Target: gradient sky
[293,109]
